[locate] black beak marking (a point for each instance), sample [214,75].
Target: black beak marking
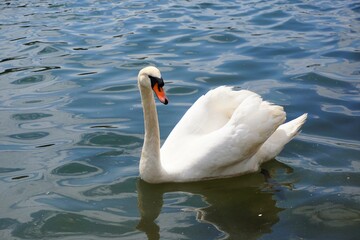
[157,80]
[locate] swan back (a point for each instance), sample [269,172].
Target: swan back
[211,111]
[222,128]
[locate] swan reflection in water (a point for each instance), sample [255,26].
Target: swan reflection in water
[240,208]
[234,208]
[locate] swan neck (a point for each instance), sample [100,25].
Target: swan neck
[150,166]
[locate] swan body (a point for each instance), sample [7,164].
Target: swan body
[225,133]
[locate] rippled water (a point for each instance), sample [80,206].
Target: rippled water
[71,126]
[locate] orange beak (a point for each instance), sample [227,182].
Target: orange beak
[160,93]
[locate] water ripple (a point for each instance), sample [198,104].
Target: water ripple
[72,129]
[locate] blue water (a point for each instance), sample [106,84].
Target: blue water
[71,126]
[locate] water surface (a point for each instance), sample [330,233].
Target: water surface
[71,126]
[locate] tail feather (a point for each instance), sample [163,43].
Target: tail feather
[287,131]
[292,128]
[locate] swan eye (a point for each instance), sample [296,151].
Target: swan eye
[157,80]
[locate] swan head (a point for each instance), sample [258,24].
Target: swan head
[150,78]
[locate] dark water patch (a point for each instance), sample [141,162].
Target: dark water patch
[313,65]
[31,43]
[122,88]
[45,145]
[352,56]
[317,79]
[308,7]
[330,214]
[24,177]
[356,73]
[56,224]
[226,38]
[113,153]
[29,135]
[235,192]
[85,49]
[294,26]
[30,116]
[46,68]
[111,165]
[109,139]
[207,5]
[87,73]
[15,69]
[103,126]
[275,13]
[48,50]
[11,59]
[58,5]
[261,21]
[123,35]
[20,177]
[355,7]
[17,39]
[33,101]
[29,80]
[170,15]
[333,213]
[7,223]
[74,168]
[80,49]
[7,170]
[33,68]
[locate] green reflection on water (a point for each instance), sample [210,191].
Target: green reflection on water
[236,207]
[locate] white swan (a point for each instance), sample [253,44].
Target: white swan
[225,133]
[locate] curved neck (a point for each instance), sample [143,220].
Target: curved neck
[150,166]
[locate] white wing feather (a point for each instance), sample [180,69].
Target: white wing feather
[221,131]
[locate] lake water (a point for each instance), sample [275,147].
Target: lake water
[71,126]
